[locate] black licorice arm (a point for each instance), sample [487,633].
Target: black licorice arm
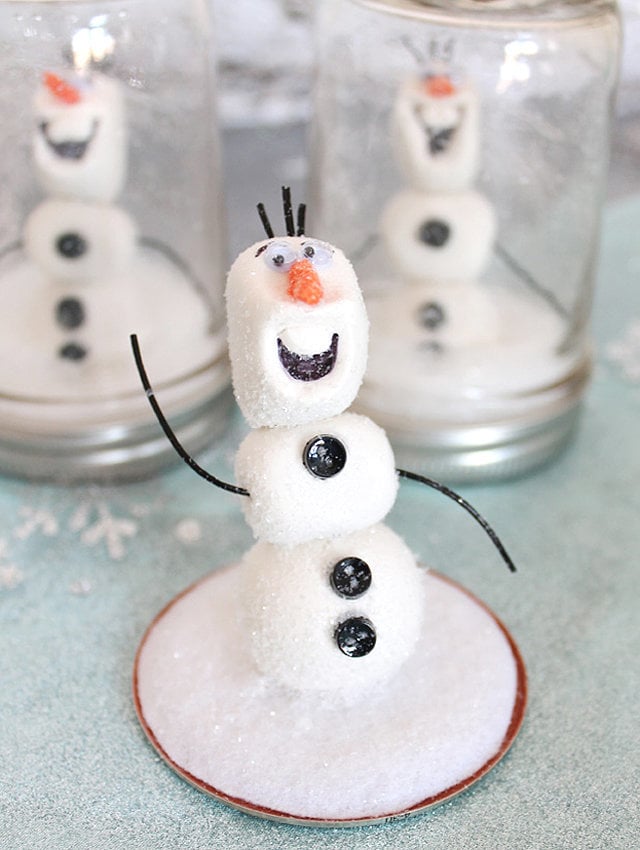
[177,445]
[413,476]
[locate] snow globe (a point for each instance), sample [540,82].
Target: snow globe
[111,221]
[327,678]
[460,158]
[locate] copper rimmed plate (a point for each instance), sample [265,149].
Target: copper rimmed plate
[447,718]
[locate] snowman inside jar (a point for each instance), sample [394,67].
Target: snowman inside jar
[82,267]
[439,231]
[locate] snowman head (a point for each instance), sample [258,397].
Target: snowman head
[435,132]
[298,329]
[80,139]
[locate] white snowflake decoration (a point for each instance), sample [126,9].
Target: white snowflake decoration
[36,519]
[108,528]
[626,351]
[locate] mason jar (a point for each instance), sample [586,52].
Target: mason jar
[460,159]
[110,224]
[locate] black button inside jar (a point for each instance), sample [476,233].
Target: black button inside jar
[71,245]
[70,313]
[351,577]
[355,637]
[434,233]
[431,315]
[73,351]
[324,456]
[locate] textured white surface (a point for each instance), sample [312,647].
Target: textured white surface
[291,611]
[108,232]
[290,505]
[471,224]
[417,116]
[440,719]
[260,311]
[462,383]
[98,119]
[144,299]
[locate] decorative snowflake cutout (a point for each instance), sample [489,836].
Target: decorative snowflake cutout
[626,351]
[108,528]
[34,520]
[10,575]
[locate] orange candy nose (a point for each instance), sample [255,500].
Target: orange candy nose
[439,86]
[304,283]
[61,89]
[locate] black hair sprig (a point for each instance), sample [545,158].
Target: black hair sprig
[293,228]
[288,211]
[264,218]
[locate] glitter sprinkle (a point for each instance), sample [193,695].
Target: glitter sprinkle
[626,352]
[188,531]
[82,587]
[36,520]
[10,577]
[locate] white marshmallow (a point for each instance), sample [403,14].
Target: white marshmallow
[73,241]
[292,612]
[435,316]
[446,236]
[289,505]
[435,136]
[262,310]
[80,148]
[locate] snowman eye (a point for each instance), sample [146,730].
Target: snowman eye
[279,256]
[319,253]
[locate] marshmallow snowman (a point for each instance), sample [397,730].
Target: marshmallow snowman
[327,619]
[80,142]
[328,588]
[439,232]
[76,241]
[298,331]
[435,133]
[88,271]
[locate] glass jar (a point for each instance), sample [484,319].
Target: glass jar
[460,159]
[110,224]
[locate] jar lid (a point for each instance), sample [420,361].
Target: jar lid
[498,13]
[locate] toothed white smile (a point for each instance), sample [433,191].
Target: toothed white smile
[308,367]
[70,148]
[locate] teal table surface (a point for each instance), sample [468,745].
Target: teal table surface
[84,569]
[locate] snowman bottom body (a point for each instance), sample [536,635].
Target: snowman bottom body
[339,615]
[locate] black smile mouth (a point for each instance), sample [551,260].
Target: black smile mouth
[308,367]
[439,138]
[72,148]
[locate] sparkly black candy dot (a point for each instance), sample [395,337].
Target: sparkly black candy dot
[355,637]
[434,233]
[351,577]
[71,245]
[73,351]
[324,456]
[431,315]
[70,313]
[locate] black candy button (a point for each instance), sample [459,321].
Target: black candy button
[73,351]
[351,577]
[355,637]
[70,313]
[434,233]
[324,456]
[431,315]
[71,245]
